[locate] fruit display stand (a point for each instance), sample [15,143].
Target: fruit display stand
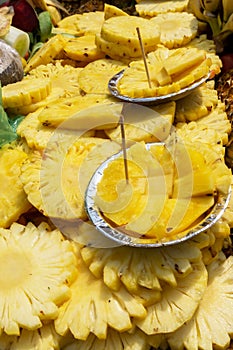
[63,284]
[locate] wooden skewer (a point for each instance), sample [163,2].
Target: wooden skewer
[121,121]
[144,57]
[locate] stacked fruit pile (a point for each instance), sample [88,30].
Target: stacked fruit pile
[63,284]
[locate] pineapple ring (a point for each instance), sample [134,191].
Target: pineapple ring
[215,308]
[112,309]
[151,8]
[135,339]
[181,302]
[37,269]
[186,25]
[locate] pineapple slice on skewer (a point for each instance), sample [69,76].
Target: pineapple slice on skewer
[151,8]
[177,305]
[38,266]
[186,26]
[95,309]
[13,198]
[95,76]
[211,326]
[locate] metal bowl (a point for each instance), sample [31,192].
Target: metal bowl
[134,240]
[113,82]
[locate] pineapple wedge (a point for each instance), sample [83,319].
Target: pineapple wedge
[46,53]
[202,331]
[38,266]
[178,304]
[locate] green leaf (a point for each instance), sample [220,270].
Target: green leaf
[45,25]
[7,134]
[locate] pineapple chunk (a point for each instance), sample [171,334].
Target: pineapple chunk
[181,59]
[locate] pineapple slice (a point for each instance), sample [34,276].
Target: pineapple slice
[13,198]
[178,304]
[25,92]
[93,310]
[151,8]
[64,84]
[95,76]
[46,53]
[40,339]
[37,269]
[75,110]
[83,49]
[113,11]
[141,269]
[203,331]
[155,125]
[196,105]
[121,50]
[122,30]
[186,26]
[134,340]
[83,24]
[62,198]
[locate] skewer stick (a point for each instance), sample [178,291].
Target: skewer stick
[144,57]
[121,121]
